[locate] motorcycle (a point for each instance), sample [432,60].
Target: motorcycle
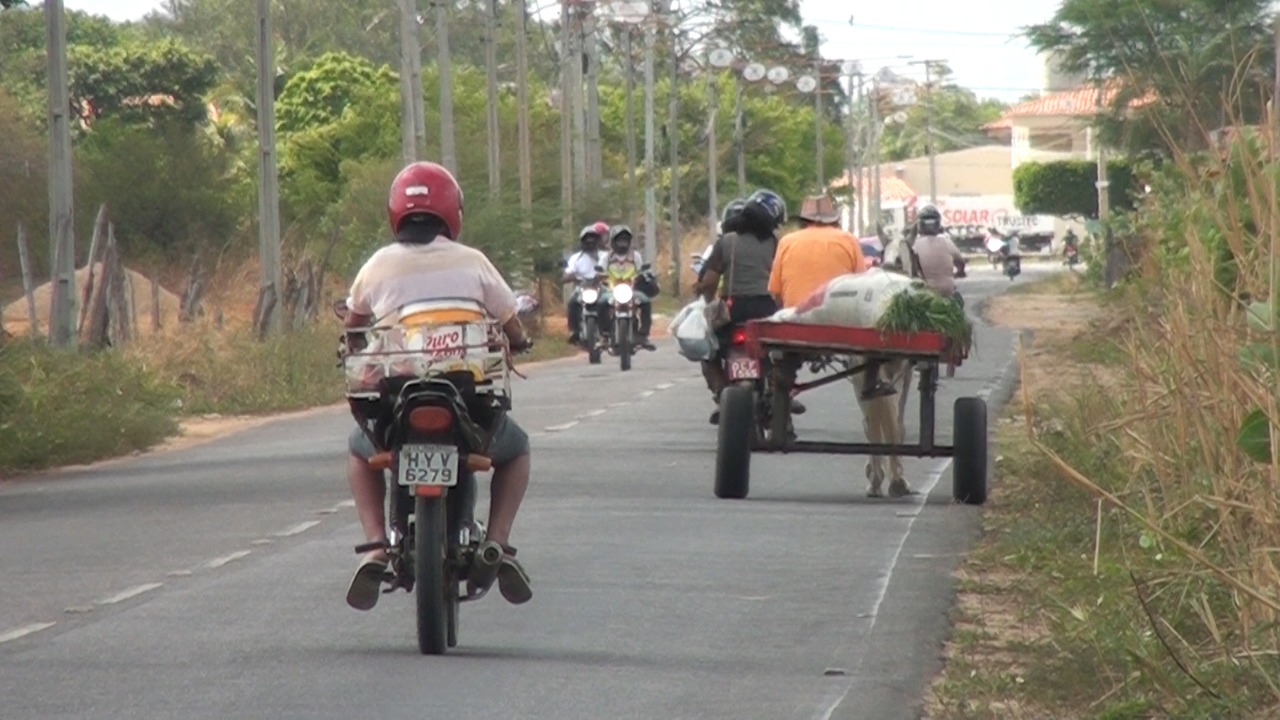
[589,297]
[421,387]
[1071,256]
[623,311]
[1012,266]
[747,388]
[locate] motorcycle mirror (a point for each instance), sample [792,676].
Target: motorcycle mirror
[340,309]
[599,269]
[645,266]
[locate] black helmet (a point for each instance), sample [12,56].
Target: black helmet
[731,218]
[929,221]
[772,203]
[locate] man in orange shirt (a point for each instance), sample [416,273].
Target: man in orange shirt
[812,256]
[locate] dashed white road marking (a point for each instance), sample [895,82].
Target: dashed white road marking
[299,528]
[130,593]
[647,393]
[262,541]
[327,511]
[624,403]
[563,426]
[219,562]
[595,413]
[179,573]
[346,504]
[78,609]
[664,386]
[24,631]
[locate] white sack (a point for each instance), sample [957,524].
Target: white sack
[852,300]
[693,336]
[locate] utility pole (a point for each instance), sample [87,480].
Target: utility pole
[595,161]
[874,139]
[491,93]
[713,171]
[739,136]
[268,179]
[61,201]
[1104,199]
[409,147]
[415,84]
[447,152]
[566,121]
[815,45]
[851,155]
[673,140]
[522,112]
[631,114]
[928,127]
[650,189]
[577,101]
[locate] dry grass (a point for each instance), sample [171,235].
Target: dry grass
[1128,568]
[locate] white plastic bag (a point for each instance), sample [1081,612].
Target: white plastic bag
[853,300]
[693,336]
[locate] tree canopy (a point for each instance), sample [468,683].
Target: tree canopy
[1203,64]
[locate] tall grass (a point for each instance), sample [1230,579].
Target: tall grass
[1185,447]
[63,407]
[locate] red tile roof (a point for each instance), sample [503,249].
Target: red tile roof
[1077,102]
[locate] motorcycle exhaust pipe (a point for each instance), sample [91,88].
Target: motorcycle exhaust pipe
[485,564]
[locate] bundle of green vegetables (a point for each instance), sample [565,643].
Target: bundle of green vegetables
[921,310]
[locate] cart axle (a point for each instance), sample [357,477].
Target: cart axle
[834,448]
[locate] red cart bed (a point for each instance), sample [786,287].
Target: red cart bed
[763,335]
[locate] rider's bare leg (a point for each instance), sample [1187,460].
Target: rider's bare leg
[506,492]
[368,490]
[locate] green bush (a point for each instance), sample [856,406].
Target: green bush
[1067,187]
[59,407]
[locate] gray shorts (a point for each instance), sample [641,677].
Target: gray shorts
[509,442]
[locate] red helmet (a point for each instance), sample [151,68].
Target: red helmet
[426,188]
[601,228]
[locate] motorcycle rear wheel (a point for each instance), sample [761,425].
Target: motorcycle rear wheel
[431,589]
[624,343]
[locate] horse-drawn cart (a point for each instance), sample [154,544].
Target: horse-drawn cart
[756,416]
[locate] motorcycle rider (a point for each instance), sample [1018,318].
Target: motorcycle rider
[426,261]
[934,255]
[812,256]
[744,258]
[580,268]
[622,256]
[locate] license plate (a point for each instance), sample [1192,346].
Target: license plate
[428,465]
[744,369]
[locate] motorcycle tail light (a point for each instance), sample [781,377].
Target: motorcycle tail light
[739,336]
[430,419]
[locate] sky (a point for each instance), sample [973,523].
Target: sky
[977,38]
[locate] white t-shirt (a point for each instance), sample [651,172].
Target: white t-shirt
[937,255]
[401,273]
[582,264]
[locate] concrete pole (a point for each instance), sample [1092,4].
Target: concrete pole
[851,158]
[577,99]
[566,122]
[595,160]
[631,113]
[491,94]
[874,139]
[409,148]
[268,179]
[713,171]
[448,154]
[522,100]
[650,187]
[673,139]
[819,125]
[739,136]
[61,201]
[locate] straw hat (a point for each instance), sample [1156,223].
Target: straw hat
[819,209]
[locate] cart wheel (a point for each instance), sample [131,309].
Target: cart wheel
[733,446]
[969,468]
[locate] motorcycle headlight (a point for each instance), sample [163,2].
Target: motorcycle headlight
[590,296]
[623,294]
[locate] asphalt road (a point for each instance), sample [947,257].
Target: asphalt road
[209,582]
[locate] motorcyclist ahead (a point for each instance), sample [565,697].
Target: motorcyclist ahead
[743,257]
[622,261]
[581,268]
[935,257]
[426,261]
